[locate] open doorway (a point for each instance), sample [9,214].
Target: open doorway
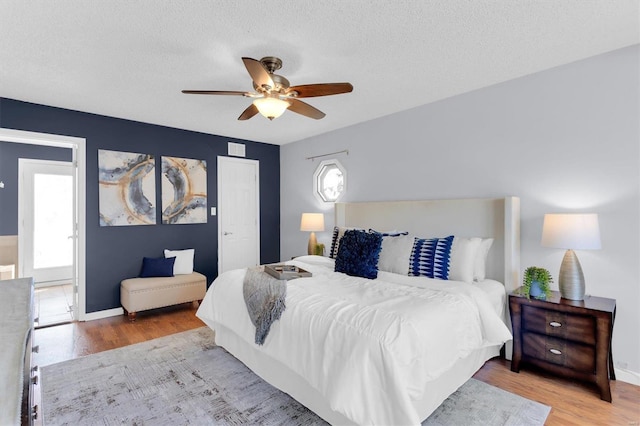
[78,146]
[46,236]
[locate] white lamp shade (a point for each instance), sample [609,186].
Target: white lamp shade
[312,222]
[271,107]
[571,231]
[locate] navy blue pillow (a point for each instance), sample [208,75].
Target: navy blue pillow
[358,254]
[430,257]
[157,267]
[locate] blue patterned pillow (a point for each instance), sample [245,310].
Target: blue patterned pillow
[358,254]
[430,257]
[334,243]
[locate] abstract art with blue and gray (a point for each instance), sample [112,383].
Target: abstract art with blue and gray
[184,190]
[127,190]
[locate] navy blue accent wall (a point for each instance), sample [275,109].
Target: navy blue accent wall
[9,154]
[115,253]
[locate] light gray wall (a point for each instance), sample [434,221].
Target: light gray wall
[564,140]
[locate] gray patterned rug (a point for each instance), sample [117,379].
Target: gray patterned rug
[185,379]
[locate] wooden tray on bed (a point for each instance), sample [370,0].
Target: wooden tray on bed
[286,272]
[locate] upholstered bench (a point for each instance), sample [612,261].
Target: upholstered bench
[140,294]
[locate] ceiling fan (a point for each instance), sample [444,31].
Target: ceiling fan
[273,94]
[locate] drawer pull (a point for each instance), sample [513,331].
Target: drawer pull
[555,351]
[35,349]
[34,369]
[34,413]
[34,380]
[555,324]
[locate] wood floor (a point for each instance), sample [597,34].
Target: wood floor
[573,403]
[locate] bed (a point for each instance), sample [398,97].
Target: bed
[384,351]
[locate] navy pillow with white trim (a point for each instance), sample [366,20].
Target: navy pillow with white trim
[390,233]
[430,257]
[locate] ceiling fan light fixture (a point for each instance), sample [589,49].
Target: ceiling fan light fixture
[271,107]
[273,94]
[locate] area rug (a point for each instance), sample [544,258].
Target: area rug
[185,379]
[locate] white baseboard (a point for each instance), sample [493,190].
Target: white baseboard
[627,376]
[103,314]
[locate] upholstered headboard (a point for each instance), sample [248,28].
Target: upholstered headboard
[498,218]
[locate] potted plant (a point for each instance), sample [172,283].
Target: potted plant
[536,283]
[319,249]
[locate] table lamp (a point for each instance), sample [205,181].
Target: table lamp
[571,231]
[312,222]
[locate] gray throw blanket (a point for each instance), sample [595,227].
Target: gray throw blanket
[264,296]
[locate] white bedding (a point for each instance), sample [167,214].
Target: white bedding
[497,294]
[367,346]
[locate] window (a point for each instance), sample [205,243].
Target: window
[329,181]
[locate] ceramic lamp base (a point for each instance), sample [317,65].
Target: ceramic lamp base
[571,280]
[313,242]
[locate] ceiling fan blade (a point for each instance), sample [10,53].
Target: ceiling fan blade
[305,109]
[258,73]
[323,89]
[214,92]
[249,112]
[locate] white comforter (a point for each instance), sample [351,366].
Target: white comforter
[368,346]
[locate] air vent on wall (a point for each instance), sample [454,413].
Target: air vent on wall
[236,149]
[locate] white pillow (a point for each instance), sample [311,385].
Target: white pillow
[184,260]
[463,258]
[480,267]
[395,254]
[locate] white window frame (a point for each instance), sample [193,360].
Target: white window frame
[317,188]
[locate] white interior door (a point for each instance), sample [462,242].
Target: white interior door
[47,221]
[238,213]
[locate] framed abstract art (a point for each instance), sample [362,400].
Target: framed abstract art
[127,190]
[184,190]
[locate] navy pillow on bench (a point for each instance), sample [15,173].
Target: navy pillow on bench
[157,267]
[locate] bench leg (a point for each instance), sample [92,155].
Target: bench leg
[132,316]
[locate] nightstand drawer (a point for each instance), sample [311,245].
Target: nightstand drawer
[578,328]
[557,351]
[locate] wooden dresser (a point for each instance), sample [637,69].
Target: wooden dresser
[17,375]
[570,338]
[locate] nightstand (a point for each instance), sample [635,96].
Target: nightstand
[569,338]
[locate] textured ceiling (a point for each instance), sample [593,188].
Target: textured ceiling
[131,59]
